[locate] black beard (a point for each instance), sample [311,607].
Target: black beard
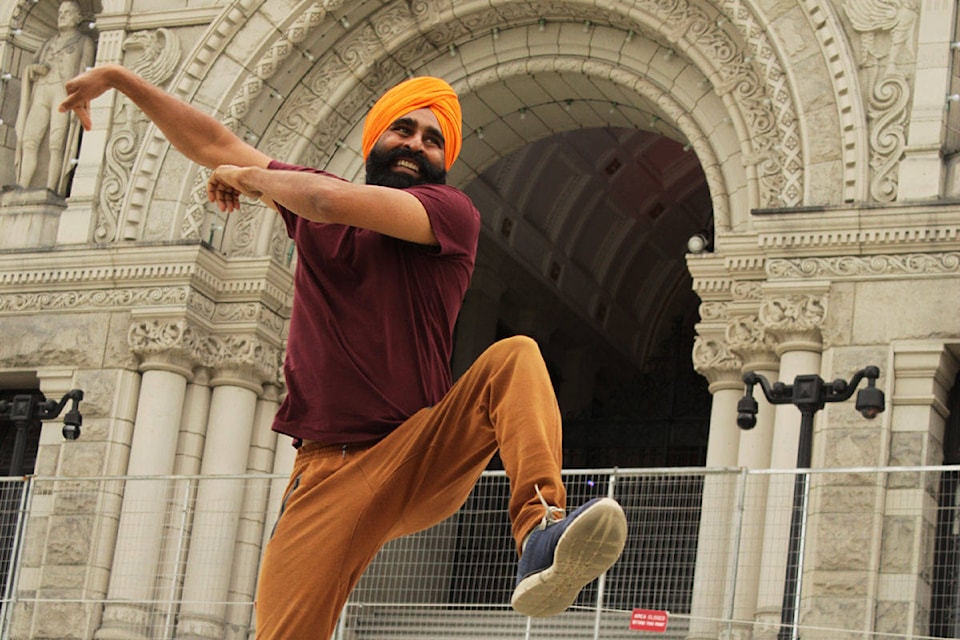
[380,169]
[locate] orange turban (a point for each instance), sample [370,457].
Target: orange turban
[410,95]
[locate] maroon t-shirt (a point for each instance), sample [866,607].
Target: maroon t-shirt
[371,330]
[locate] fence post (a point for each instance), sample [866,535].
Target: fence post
[736,536]
[16,556]
[602,580]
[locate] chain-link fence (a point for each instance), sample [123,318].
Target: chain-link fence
[852,553]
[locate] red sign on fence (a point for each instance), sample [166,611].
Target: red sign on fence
[649,620]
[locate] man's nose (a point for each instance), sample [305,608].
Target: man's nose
[414,142]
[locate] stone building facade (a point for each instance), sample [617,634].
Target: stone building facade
[824,134]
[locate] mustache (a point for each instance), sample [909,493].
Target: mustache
[379,168]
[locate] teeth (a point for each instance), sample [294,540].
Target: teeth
[408,165]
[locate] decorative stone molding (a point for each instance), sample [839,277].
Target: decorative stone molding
[183,346]
[158,59]
[92,299]
[263,69]
[887,113]
[384,44]
[887,34]
[857,267]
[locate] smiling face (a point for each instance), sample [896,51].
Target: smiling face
[410,151]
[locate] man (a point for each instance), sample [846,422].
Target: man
[60,58]
[387,446]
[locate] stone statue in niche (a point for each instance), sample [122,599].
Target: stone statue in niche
[59,59]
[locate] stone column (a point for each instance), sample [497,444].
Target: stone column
[756,349]
[713,359]
[183,491]
[923,374]
[213,542]
[794,318]
[166,369]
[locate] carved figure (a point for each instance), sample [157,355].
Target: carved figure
[873,17]
[59,59]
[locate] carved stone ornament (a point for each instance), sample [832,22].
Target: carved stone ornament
[800,313]
[747,335]
[857,267]
[178,341]
[158,58]
[397,37]
[887,30]
[713,358]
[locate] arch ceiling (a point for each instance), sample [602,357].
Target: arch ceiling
[598,136]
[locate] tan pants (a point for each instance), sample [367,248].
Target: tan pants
[342,505]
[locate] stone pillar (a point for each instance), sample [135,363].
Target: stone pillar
[923,374]
[922,168]
[196,408]
[713,359]
[152,450]
[477,323]
[213,542]
[756,349]
[794,318]
[253,516]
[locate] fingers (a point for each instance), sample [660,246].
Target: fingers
[222,194]
[79,106]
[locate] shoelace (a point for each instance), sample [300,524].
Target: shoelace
[553,514]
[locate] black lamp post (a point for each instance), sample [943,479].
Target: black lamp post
[809,393]
[27,408]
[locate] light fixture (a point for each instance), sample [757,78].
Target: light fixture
[809,393]
[697,243]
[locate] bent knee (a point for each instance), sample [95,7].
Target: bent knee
[514,347]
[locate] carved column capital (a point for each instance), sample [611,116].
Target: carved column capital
[713,359]
[795,320]
[751,342]
[166,345]
[244,361]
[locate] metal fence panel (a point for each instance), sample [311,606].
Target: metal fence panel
[879,556]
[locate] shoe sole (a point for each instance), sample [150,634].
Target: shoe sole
[589,546]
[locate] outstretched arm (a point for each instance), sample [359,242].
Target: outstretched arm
[195,134]
[392,212]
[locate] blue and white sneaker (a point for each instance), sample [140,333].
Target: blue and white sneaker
[561,556]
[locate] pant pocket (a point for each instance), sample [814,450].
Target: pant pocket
[283,505]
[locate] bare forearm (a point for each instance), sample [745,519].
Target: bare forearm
[197,135]
[320,198]
[194,133]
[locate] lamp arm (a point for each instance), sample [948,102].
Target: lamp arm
[52,408]
[840,392]
[777,393]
